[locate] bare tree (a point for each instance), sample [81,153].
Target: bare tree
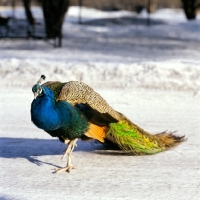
[54,13]
[190,7]
[27,5]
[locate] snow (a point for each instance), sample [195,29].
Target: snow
[154,75]
[149,73]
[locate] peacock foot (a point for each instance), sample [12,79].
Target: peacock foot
[65,169]
[68,151]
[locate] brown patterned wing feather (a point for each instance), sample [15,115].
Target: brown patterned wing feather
[77,92]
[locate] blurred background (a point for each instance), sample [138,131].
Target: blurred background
[54,13]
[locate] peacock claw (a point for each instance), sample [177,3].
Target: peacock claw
[66,169]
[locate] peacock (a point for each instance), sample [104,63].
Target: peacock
[73,110]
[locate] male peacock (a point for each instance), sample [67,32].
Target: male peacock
[73,110]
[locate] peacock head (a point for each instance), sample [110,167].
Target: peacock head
[37,88]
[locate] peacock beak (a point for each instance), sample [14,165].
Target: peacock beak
[35,95]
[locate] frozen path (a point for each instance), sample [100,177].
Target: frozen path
[29,155]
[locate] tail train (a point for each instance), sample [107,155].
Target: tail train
[133,139]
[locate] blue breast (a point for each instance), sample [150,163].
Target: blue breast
[46,113]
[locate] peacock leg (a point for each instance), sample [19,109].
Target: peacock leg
[69,150]
[65,152]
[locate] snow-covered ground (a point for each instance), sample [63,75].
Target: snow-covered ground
[149,73]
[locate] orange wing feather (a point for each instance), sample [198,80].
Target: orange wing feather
[97,132]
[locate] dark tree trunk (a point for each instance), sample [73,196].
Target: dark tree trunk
[27,4]
[189,7]
[54,13]
[151,6]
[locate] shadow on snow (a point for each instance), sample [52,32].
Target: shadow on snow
[30,149]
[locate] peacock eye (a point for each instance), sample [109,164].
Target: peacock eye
[40,90]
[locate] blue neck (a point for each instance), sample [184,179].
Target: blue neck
[45,114]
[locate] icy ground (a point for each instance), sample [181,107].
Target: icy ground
[151,74]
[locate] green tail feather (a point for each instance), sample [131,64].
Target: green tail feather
[132,139]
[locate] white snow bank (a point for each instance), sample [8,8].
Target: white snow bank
[154,75]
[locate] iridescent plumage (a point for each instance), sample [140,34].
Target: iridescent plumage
[73,110]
